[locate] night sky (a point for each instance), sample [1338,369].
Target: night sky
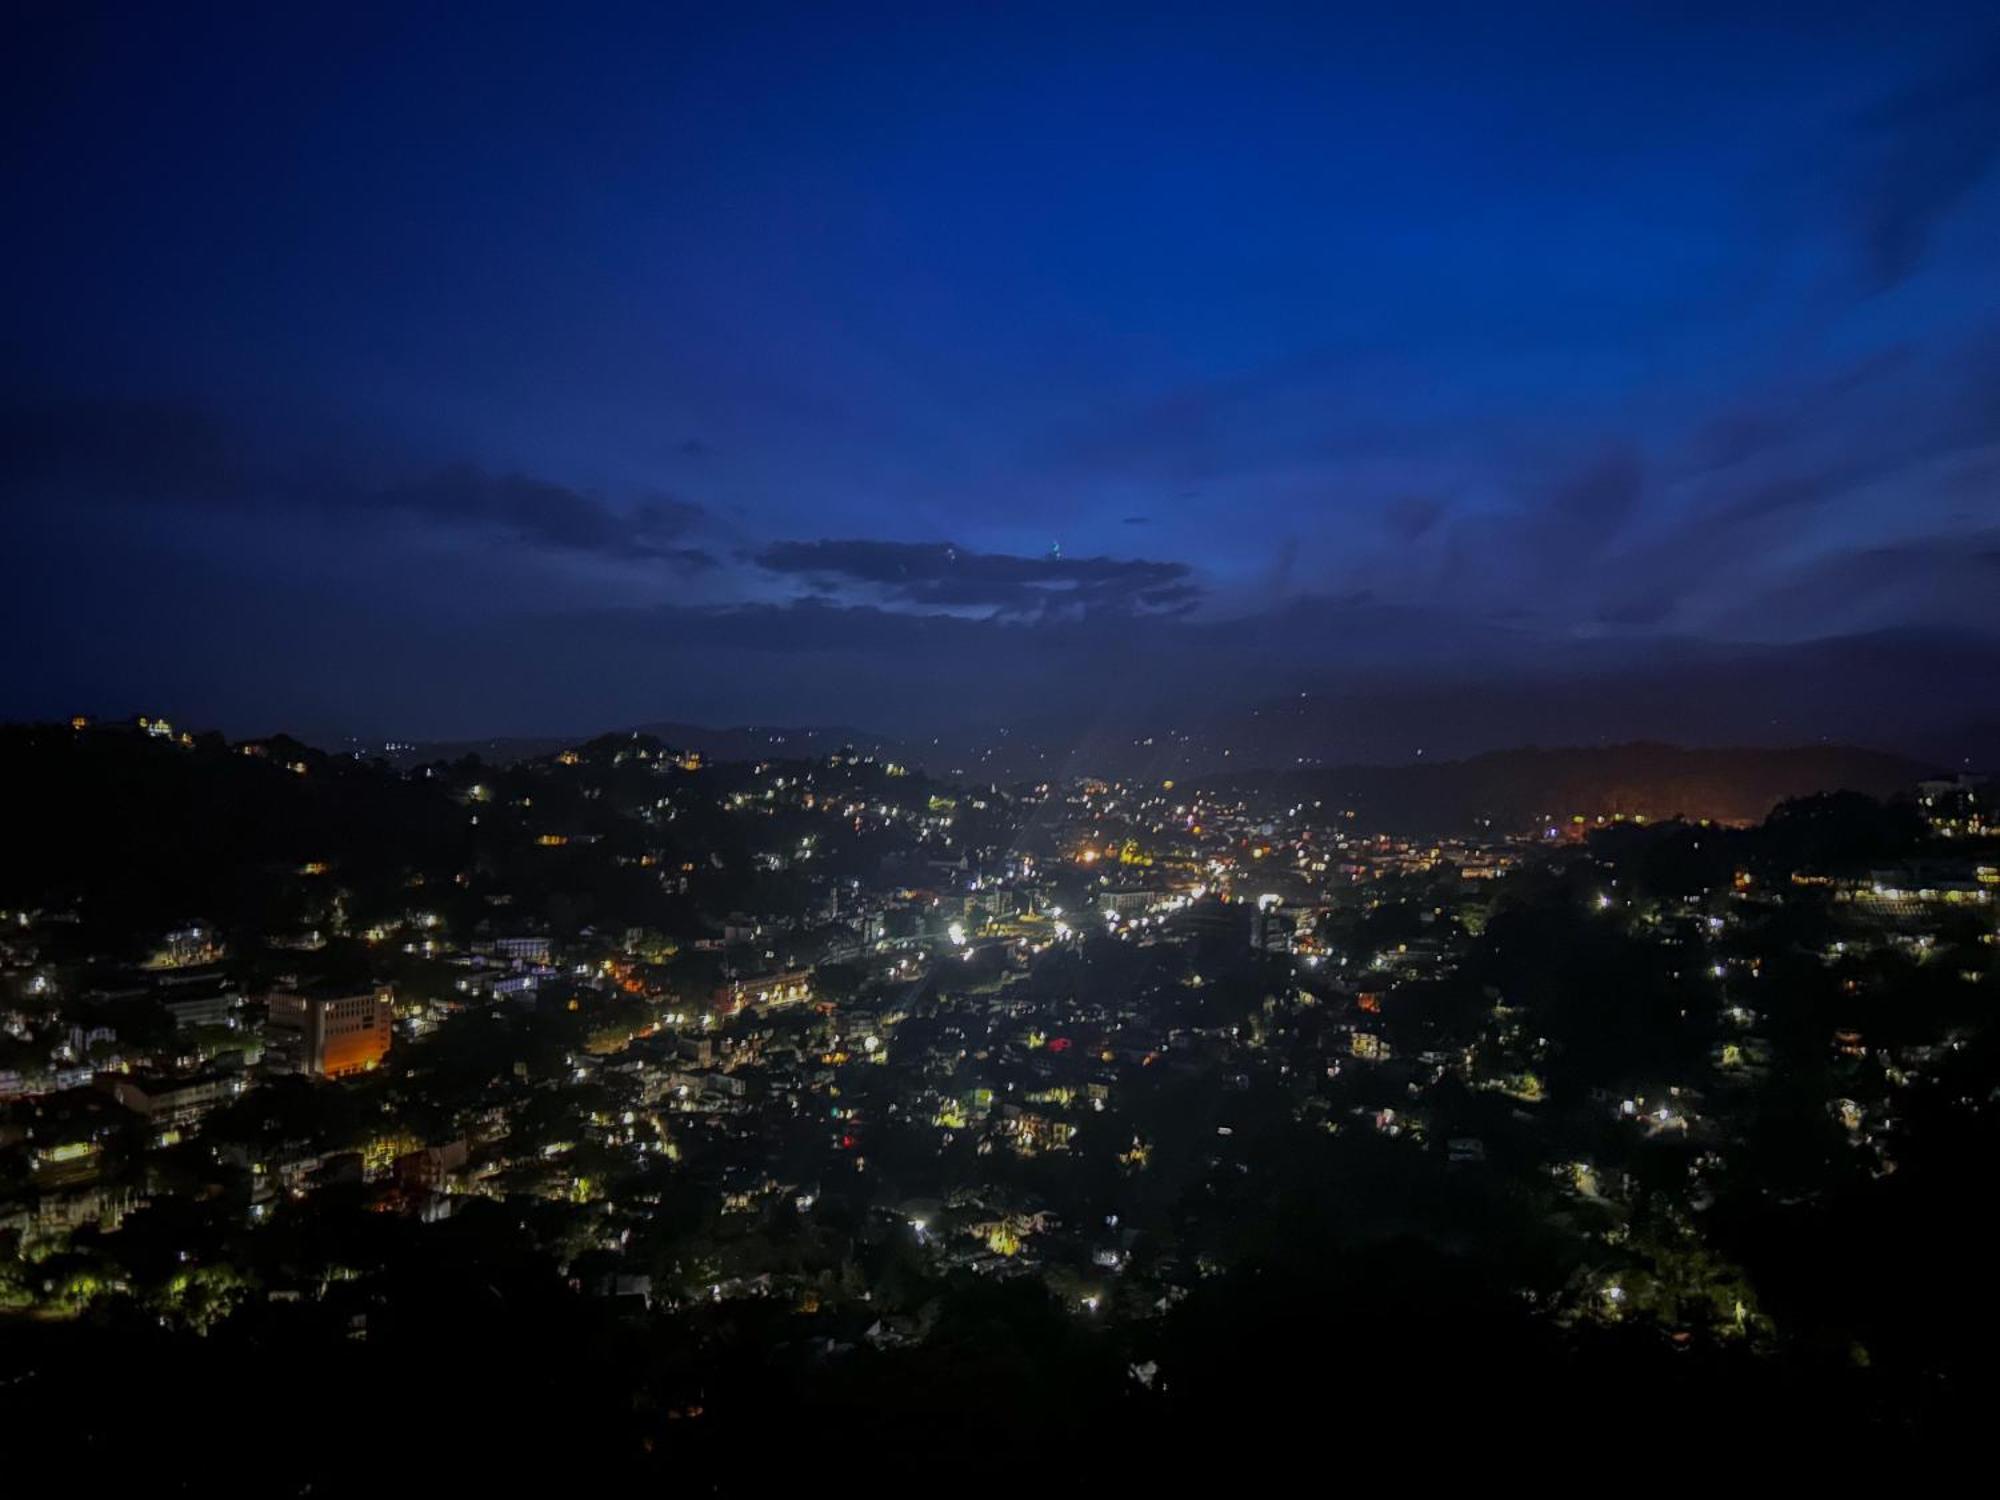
[1489,372]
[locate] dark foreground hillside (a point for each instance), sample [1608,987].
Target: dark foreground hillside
[1662,1147]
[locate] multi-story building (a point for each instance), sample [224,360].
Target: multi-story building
[1129,902]
[207,1000]
[170,1103]
[328,1034]
[787,988]
[1962,804]
[1271,931]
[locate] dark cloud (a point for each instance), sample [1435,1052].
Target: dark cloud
[1754,428]
[163,453]
[1593,505]
[1732,437]
[1943,581]
[544,513]
[944,575]
[290,651]
[1849,497]
[1782,493]
[1278,584]
[1412,517]
[1921,154]
[1641,611]
[1563,524]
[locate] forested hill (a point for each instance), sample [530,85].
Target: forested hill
[1519,789]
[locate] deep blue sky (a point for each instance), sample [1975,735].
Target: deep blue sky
[432,370]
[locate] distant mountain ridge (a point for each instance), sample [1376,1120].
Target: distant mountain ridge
[739,742]
[1508,790]
[1521,789]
